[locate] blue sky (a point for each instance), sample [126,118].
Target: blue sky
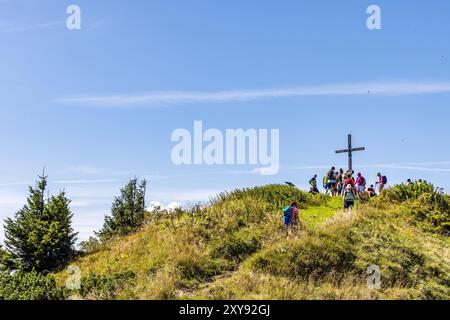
[68,98]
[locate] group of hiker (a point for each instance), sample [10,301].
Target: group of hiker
[338,183]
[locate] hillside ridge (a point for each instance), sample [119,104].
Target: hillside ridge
[237,248]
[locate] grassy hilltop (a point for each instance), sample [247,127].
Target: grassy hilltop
[237,249]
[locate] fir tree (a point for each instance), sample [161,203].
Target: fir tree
[40,235]
[127,212]
[6,261]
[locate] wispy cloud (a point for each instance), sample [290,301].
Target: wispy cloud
[184,97]
[43,25]
[14,27]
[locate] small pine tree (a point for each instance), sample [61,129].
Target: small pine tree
[40,235]
[127,212]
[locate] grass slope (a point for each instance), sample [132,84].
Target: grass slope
[237,249]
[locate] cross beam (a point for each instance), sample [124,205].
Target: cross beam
[350,151]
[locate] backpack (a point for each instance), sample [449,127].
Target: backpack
[349,195]
[384,179]
[287,211]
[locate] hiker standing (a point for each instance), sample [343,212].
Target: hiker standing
[349,181]
[287,215]
[313,184]
[382,181]
[332,180]
[290,216]
[325,183]
[340,181]
[294,215]
[360,183]
[349,197]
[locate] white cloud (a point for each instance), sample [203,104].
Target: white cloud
[155,206]
[158,206]
[180,97]
[173,206]
[30,26]
[184,196]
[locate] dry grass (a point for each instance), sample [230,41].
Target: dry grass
[238,249]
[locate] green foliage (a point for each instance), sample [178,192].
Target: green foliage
[237,248]
[238,245]
[235,214]
[419,189]
[275,195]
[193,269]
[427,204]
[312,258]
[40,235]
[315,215]
[408,258]
[431,219]
[29,286]
[127,212]
[91,245]
[104,287]
[6,260]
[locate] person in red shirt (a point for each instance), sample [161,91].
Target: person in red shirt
[349,180]
[360,183]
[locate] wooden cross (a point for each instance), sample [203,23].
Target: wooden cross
[350,151]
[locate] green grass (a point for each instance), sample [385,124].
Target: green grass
[238,249]
[315,215]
